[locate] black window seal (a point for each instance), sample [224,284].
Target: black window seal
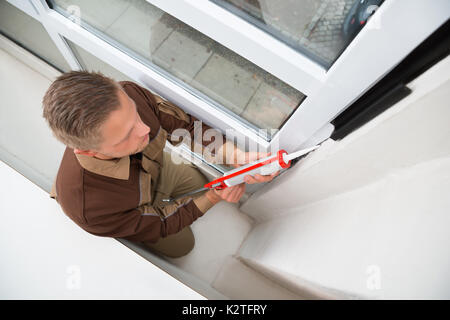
[392,87]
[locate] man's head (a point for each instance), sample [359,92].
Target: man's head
[93,115]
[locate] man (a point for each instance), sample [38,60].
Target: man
[114,173]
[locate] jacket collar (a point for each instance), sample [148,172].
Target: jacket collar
[119,168]
[115,168]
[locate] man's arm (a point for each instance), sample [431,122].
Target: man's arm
[172,117]
[149,223]
[223,152]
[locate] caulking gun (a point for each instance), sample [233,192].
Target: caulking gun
[264,166]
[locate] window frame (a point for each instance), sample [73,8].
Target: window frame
[262,49]
[350,76]
[143,74]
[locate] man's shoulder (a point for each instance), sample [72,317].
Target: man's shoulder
[69,167]
[84,195]
[132,88]
[146,103]
[67,188]
[128,84]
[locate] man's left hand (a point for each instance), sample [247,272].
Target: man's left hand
[248,157]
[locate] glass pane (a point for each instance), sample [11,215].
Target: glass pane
[91,63]
[198,62]
[30,34]
[321,29]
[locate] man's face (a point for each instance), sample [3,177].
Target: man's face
[123,132]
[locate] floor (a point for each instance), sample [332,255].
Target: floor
[27,145]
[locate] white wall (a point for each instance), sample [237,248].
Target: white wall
[26,141]
[44,255]
[367,216]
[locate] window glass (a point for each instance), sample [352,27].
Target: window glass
[199,63]
[321,29]
[29,34]
[91,63]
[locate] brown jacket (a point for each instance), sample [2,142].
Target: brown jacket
[112,198]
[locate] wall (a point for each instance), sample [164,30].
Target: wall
[366,216]
[46,256]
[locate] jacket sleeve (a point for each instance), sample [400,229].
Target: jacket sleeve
[200,134]
[149,223]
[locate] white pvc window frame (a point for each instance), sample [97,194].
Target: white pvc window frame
[260,48]
[389,36]
[127,63]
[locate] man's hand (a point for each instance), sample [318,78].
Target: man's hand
[248,157]
[230,194]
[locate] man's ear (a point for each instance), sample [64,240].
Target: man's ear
[85,152]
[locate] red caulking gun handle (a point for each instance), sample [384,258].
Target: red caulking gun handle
[217,184]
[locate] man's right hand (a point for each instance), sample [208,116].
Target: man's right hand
[230,194]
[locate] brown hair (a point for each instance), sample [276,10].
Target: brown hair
[75,106]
